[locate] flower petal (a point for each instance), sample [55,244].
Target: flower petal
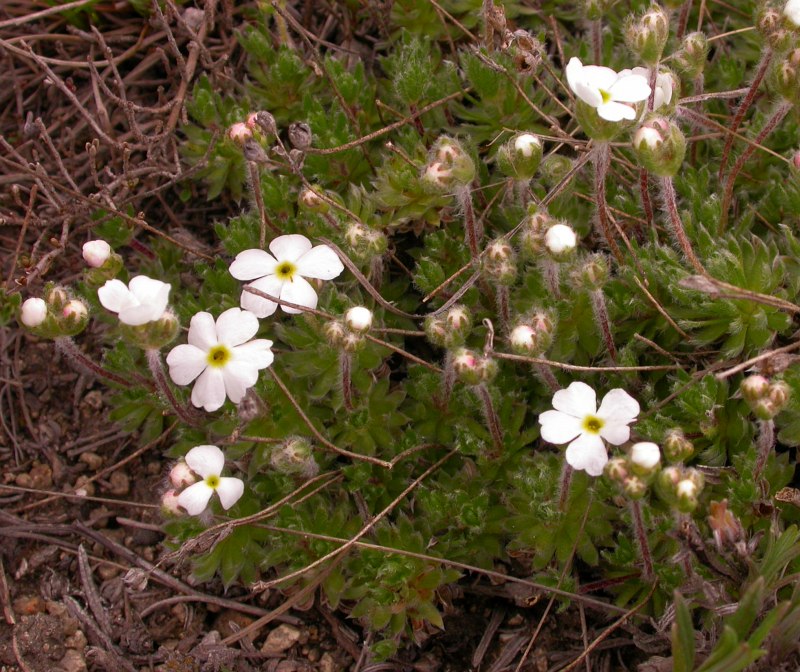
[229,491]
[255,353]
[290,247]
[195,498]
[252,264]
[186,362]
[558,427]
[238,377]
[321,262]
[203,331]
[588,94]
[587,453]
[616,433]
[630,89]
[599,77]
[115,296]
[205,461]
[140,314]
[613,111]
[259,306]
[300,292]
[574,72]
[209,390]
[147,290]
[618,406]
[578,400]
[236,326]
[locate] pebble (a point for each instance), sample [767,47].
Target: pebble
[119,483]
[72,661]
[92,460]
[280,639]
[29,604]
[328,664]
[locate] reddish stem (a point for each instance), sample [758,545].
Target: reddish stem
[602,158]
[641,538]
[66,346]
[671,205]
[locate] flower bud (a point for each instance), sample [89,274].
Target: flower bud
[726,527]
[74,316]
[436,330]
[467,366]
[784,76]
[152,335]
[459,320]
[309,199]
[754,388]
[554,168]
[295,457]
[524,341]
[616,469]
[33,313]
[56,298]
[764,409]
[686,493]
[520,157]
[169,504]
[239,133]
[262,121]
[96,253]
[500,262]
[693,55]
[358,319]
[779,393]
[677,448]
[334,333]
[634,487]
[660,146]
[352,342]
[452,158]
[560,241]
[181,475]
[645,458]
[647,36]
[593,274]
[300,135]
[532,234]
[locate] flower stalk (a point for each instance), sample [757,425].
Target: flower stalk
[186,415]
[765,445]
[491,417]
[671,206]
[641,539]
[258,197]
[600,311]
[602,157]
[345,368]
[564,486]
[66,346]
[473,230]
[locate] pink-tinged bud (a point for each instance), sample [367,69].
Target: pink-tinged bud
[169,503]
[437,176]
[33,312]
[649,137]
[616,469]
[754,388]
[252,121]
[358,319]
[466,365]
[181,475]
[75,310]
[523,340]
[311,200]
[459,319]
[796,160]
[96,253]
[240,133]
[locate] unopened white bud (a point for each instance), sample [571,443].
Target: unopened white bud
[560,240]
[686,489]
[526,144]
[75,310]
[358,319]
[645,455]
[96,253]
[169,503]
[181,475]
[523,339]
[33,312]
[649,137]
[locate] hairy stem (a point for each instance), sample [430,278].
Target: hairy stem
[683,19]
[472,228]
[564,486]
[345,367]
[647,204]
[492,420]
[551,271]
[602,157]
[597,40]
[776,118]
[671,206]
[641,538]
[162,385]
[765,445]
[258,197]
[545,373]
[743,107]
[503,306]
[66,346]
[448,379]
[603,323]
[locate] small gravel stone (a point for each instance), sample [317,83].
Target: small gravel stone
[280,639]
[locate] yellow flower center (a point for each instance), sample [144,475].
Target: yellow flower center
[285,270]
[218,356]
[212,482]
[605,95]
[593,424]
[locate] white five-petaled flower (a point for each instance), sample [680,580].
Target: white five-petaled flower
[606,90]
[284,274]
[665,85]
[577,419]
[207,462]
[221,357]
[791,10]
[143,300]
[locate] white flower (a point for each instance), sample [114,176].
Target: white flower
[143,300]
[207,462]
[284,275]
[665,85]
[221,356]
[606,90]
[645,455]
[96,252]
[358,319]
[560,240]
[577,419]
[791,10]
[33,312]
[526,144]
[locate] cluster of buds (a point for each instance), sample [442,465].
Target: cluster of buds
[103,263]
[776,27]
[519,158]
[635,471]
[660,146]
[677,448]
[472,368]
[532,334]
[55,315]
[542,235]
[766,399]
[246,134]
[364,244]
[500,262]
[785,76]
[347,334]
[647,36]
[180,477]
[691,58]
[451,329]
[680,487]
[294,457]
[449,166]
